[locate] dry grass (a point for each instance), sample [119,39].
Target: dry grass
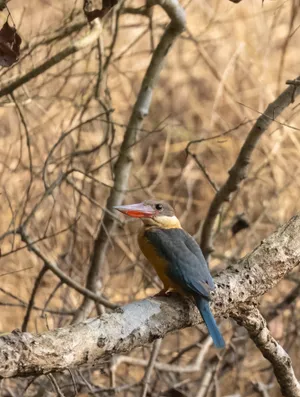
[222,72]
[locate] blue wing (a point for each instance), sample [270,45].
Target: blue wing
[186,264]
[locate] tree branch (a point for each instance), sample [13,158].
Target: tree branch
[75,46]
[256,325]
[239,171]
[60,274]
[123,164]
[94,341]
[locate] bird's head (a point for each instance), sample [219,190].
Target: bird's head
[152,213]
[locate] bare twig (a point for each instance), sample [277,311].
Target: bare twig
[207,378]
[124,162]
[262,388]
[239,171]
[293,18]
[293,82]
[150,367]
[23,304]
[164,367]
[28,144]
[56,386]
[61,275]
[33,294]
[74,47]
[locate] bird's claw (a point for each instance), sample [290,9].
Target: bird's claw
[164,292]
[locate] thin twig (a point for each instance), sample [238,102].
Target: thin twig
[28,144]
[32,297]
[62,276]
[123,164]
[150,367]
[55,386]
[74,47]
[164,367]
[239,171]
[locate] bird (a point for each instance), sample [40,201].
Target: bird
[176,257]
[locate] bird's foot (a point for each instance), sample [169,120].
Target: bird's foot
[164,292]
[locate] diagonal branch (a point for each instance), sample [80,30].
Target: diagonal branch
[123,164]
[256,325]
[60,274]
[95,341]
[239,171]
[75,46]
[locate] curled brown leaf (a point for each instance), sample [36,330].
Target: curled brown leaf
[107,5]
[10,42]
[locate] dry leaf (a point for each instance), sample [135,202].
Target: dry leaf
[10,43]
[240,223]
[3,4]
[107,5]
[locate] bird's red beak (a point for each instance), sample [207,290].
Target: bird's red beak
[139,210]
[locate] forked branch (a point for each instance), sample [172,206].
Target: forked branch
[123,164]
[256,325]
[239,171]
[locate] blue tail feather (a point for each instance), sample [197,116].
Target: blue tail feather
[203,306]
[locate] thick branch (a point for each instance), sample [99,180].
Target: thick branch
[239,171]
[256,325]
[124,162]
[96,340]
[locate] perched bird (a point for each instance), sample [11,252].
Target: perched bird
[176,257]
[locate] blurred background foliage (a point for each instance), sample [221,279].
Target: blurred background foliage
[232,61]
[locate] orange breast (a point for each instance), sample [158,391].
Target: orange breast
[159,264]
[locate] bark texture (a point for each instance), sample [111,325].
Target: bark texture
[95,341]
[256,325]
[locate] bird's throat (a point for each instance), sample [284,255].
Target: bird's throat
[162,222]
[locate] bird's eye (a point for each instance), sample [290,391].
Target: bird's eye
[159,207]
